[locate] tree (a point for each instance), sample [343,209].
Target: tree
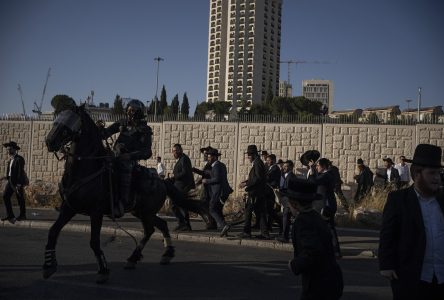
[185,107]
[118,105]
[175,105]
[373,118]
[203,108]
[163,101]
[61,103]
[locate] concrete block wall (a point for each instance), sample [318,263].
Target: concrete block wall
[342,143]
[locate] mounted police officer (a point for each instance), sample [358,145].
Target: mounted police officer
[133,144]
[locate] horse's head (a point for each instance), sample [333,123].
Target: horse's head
[65,127]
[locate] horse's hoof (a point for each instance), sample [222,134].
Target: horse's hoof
[48,271]
[102,276]
[130,265]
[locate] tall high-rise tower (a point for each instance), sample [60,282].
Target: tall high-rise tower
[244,47]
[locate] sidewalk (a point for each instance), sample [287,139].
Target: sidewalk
[354,242]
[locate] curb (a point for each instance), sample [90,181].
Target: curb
[275,245]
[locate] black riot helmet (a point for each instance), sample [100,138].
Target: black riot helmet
[137,109]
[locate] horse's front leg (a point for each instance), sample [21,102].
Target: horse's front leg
[96,218]
[148,230]
[169,252]
[50,264]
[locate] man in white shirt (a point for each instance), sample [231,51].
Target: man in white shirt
[411,246]
[404,172]
[160,168]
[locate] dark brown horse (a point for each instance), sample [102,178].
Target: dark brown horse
[87,188]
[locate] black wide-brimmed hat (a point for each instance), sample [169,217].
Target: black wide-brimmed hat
[360,161]
[205,149]
[301,190]
[310,155]
[11,144]
[427,155]
[252,149]
[213,152]
[389,160]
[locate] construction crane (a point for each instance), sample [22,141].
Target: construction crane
[21,97]
[38,108]
[289,62]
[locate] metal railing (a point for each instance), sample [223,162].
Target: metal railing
[243,118]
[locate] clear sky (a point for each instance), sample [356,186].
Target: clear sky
[380,51]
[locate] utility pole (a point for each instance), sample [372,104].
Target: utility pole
[419,104]
[158,59]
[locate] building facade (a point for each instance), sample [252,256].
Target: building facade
[319,90]
[285,89]
[244,45]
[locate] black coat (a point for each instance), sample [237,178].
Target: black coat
[183,174]
[394,177]
[256,183]
[326,187]
[365,183]
[17,171]
[403,240]
[274,176]
[218,183]
[314,258]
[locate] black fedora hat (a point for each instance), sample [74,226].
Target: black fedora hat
[427,155]
[205,149]
[389,160]
[301,190]
[11,144]
[252,149]
[360,161]
[213,152]
[310,155]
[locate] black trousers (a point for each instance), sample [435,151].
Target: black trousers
[7,193]
[260,204]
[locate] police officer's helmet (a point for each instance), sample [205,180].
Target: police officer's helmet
[137,107]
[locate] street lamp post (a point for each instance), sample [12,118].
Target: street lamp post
[419,104]
[158,59]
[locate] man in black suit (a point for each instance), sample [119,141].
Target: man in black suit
[326,206]
[338,186]
[219,189]
[184,181]
[286,213]
[274,175]
[411,246]
[314,257]
[364,180]
[16,176]
[390,175]
[205,196]
[255,186]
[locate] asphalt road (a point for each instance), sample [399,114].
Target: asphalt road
[199,271]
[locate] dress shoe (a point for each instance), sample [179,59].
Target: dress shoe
[244,235]
[282,239]
[224,231]
[9,219]
[263,236]
[183,227]
[21,218]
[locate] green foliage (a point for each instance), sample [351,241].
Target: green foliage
[118,105]
[185,107]
[219,108]
[163,102]
[61,103]
[175,105]
[373,118]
